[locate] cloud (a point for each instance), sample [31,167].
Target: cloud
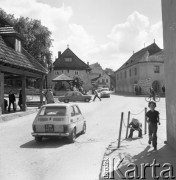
[129,36]
[49,16]
[123,39]
[80,42]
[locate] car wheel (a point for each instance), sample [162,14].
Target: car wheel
[73,136]
[87,100]
[84,128]
[66,101]
[38,139]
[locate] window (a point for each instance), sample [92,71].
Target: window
[130,72]
[17,45]
[117,76]
[68,60]
[76,72]
[135,71]
[120,75]
[103,80]
[72,111]
[53,111]
[125,74]
[77,111]
[156,69]
[68,70]
[106,80]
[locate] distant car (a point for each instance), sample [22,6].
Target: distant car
[104,92]
[58,120]
[72,96]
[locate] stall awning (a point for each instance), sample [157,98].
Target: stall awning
[62,77]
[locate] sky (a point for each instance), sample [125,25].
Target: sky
[103,31]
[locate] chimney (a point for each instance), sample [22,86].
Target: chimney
[133,52]
[88,63]
[59,53]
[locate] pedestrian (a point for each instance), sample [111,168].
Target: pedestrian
[135,125]
[12,100]
[153,121]
[5,104]
[20,101]
[163,89]
[74,88]
[96,95]
[139,89]
[49,96]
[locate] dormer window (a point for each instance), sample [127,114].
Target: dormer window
[17,45]
[68,59]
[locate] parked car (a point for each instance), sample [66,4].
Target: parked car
[72,96]
[104,92]
[58,120]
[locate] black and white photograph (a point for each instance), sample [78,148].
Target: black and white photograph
[87,89]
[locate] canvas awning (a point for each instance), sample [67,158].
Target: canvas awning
[62,77]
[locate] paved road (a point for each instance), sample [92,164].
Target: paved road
[22,158]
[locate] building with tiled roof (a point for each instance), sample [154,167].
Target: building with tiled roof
[72,66]
[98,76]
[16,63]
[142,70]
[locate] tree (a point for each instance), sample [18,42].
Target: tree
[109,71]
[78,82]
[37,38]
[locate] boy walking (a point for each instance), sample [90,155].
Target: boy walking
[153,120]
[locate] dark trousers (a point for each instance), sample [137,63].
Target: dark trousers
[13,103]
[153,134]
[96,96]
[132,130]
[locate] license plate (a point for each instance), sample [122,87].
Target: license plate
[49,128]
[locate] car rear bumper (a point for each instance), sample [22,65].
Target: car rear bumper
[50,134]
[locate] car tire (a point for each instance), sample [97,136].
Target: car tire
[87,100]
[38,139]
[72,137]
[66,101]
[84,129]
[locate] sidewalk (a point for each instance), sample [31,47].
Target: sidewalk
[18,113]
[144,160]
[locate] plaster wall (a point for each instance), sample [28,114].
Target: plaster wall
[145,77]
[169,34]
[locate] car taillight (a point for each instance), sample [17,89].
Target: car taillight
[65,128]
[34,128]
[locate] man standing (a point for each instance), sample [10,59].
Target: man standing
[96,95]
[12,100]
[49,96]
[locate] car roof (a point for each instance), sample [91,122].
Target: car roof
[58,105]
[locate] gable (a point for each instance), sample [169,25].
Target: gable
[68,60]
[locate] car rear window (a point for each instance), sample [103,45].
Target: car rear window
[53,111]
[106,89]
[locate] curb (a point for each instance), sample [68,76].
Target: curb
[18,114]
